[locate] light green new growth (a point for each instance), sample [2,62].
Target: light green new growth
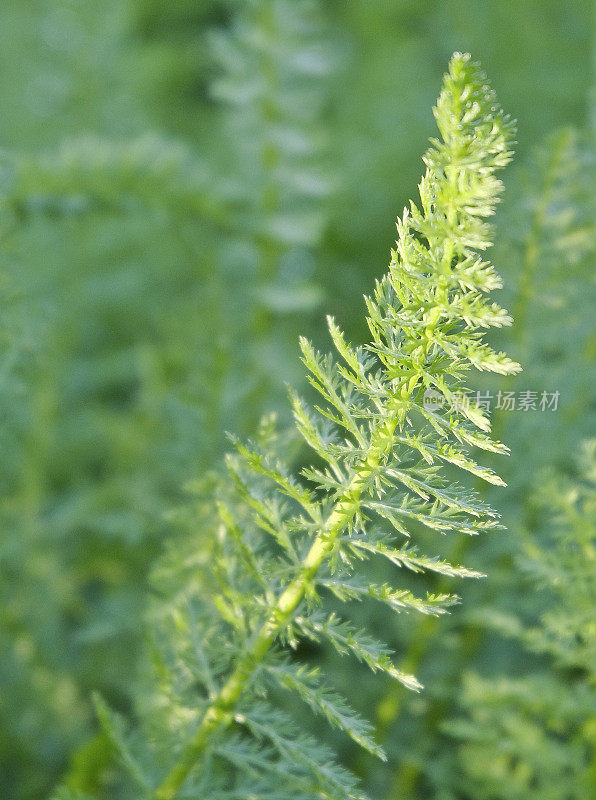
[281,545]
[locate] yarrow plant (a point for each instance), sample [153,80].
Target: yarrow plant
[278,546]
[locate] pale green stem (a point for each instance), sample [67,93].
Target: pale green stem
[220,713]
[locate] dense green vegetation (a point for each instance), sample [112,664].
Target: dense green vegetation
[185,187]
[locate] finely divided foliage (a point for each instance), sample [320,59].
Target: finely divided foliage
[281,544]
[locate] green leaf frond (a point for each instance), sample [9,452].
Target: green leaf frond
[274,63]
[541,723]
[565,565]
[279,547]
[91,174]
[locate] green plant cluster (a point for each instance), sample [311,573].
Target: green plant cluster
[381,451]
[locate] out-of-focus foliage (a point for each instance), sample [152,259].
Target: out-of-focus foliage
[540,727]
[68,68]
[93,458]
[143,323]
[135,221]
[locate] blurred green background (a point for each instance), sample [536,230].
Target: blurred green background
[185,187]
